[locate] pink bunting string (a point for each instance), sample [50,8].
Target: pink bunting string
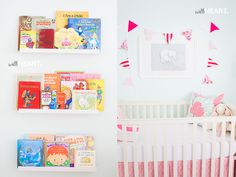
[213,27]
[131,26]
[125,64]
[124,45]
[168,37]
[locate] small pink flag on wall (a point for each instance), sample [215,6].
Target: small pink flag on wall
[131,26]
[125,64]
[212,46]
[211,63]
[168,37]
[124,45]
[207,80]
[128,82]
[187,34]
[213,27]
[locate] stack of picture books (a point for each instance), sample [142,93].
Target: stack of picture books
[40,150]
[69,30]
[61,90]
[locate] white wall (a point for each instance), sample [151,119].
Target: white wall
[175,16]
[13,124]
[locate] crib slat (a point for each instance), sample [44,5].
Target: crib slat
[165,160]
[194,160]
[145,161]
[175,161]
[155,159]
[135,152]
[231,151]
[213,145]
[126,167]
[204,150]
[185,160]
[222,156]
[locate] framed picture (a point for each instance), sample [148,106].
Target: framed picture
[157,59]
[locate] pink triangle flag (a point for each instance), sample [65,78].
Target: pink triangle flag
[207,80]
[124,45]
[213,27]
[149,34]
[131,26]
[212,46]
[128,82]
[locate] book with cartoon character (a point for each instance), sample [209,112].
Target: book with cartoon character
[29,95]
[62,17]
[30,153]
[28,39]
[68,86]
[84,100]
[98,85]
[89,29]
[57,154]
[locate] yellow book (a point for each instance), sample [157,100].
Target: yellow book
[98,85]
[27,39]
[62,17]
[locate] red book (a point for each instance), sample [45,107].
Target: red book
[46,38]
[29,95]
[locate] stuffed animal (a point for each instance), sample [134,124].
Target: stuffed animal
[222,110]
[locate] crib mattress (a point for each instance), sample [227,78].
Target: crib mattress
[174,135]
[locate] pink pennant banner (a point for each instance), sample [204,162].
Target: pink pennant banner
[131,26]
[128,82]
[187,34]
[168,37]
[213,27]
[207,80]
[211,63]
[212,46]
[125,64]
[149,34]
[124,45]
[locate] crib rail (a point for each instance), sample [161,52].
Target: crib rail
[152,110]
[213,127]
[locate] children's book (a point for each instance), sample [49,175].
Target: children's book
[67,39]
[57,154]
[84,100]
[43,23]
[45,39]
[43,137]
[31,77]
[77,142]
[30,153]
[66,75]
[62,17]
[46,99]
[29,95]
[89,29]
[52,82]
[61,100]
[98,85]
[68,86]
[27,39]
[25,24]
[84,158]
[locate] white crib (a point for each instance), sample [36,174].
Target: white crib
[158,140]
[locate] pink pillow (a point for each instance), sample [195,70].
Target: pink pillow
[201,106]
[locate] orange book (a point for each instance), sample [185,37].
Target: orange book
[61,100]
[52,82]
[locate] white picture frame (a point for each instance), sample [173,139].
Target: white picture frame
[157,59]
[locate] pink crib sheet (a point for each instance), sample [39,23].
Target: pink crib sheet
[171,168]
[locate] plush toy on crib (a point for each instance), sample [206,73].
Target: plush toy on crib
[222,110]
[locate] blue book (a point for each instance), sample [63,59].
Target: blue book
[30,153]
[89,31]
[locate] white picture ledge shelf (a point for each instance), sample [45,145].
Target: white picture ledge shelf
[61,51]
[57,169]
[55,111]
